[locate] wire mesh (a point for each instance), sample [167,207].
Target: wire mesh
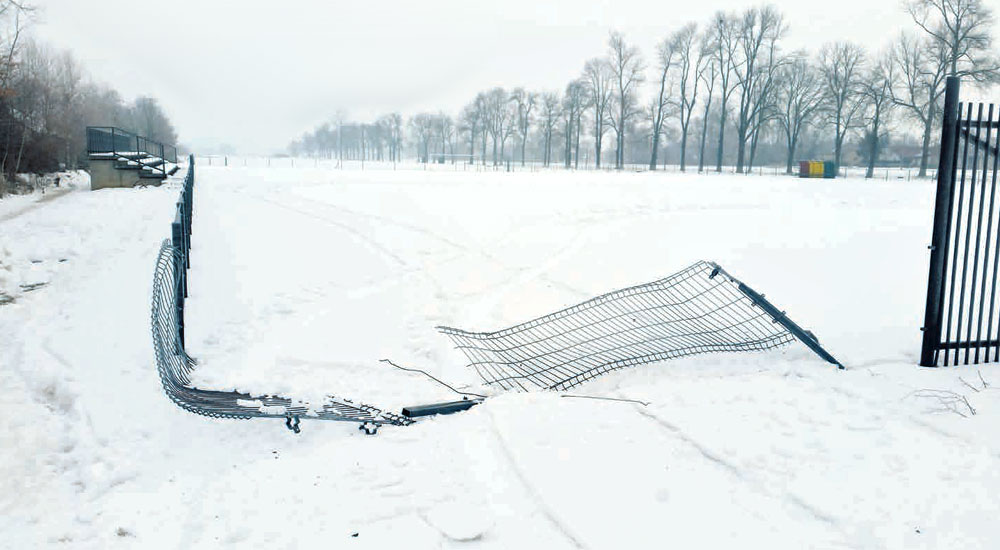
[170,288]
[700,309]
[175,367]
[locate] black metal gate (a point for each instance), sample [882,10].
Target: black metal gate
[961,319]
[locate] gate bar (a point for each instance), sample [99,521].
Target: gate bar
[939,237]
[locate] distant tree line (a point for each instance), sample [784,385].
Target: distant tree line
[722,92]
[342,139]
[46,102]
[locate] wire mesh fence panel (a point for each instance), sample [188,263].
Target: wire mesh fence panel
[700,309]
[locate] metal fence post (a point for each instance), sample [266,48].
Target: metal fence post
[804,336]
[176,234]
[939,237]
[187,242]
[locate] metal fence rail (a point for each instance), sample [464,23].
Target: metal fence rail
[170,289]
[126,147]
[962,314]
[700,309]
[107,139]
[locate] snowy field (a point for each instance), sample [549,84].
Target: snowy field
[303,278]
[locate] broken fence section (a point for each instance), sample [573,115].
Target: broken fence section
[175,366]
[700,309]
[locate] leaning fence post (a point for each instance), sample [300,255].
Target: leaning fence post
[939,237]
[804,336]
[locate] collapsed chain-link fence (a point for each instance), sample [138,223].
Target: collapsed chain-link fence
[175,365]
[700,309]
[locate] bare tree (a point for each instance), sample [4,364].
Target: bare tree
[877,91]
[693,54]
[423,130]
[29,105]
[340,118]
[502,120]
[660,107]
[725,41]
[507,128]
[626,68]
[396,135]
[757,64]
[799,96]
[525,102]
[470,124]
[574,102]
[964,29]
[151,121]
[482,109]
[13,15]
[709,76]
[584,105]
[389,134]
[920,67]
[67,115]
[600,78]
[842,70]
[551,110]
[445,128]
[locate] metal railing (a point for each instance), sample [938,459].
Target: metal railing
[170,291]
[962,310]
[108,139]
[125,146]
[156,149]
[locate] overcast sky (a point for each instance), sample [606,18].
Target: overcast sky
[256,74]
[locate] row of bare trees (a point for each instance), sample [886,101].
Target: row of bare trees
[46,102]
[342,139]
[729,85]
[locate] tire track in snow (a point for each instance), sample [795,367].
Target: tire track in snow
[410,269]
[736,471]
[702,450]
[532,491]
[524,276]
[45,199]
[392,221]
[517,276]
[461,247]
[375,245]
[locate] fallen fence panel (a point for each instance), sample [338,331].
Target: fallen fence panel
[700,309]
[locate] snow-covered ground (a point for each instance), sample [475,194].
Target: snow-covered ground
[13,205]
[303,278]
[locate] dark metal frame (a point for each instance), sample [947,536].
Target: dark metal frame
[965,198]
[131,150]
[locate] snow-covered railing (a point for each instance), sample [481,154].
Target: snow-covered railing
[170,286]
[130,149]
